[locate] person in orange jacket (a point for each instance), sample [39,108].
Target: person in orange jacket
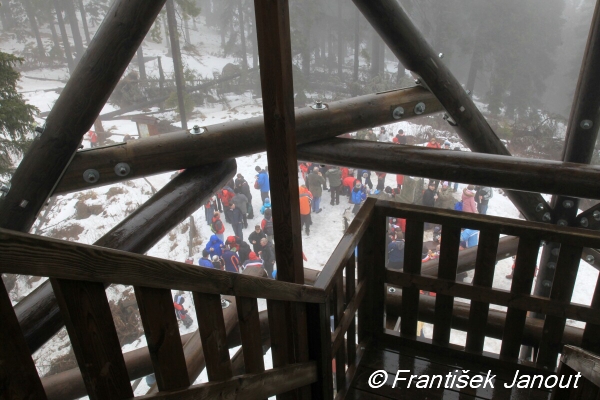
[306,199]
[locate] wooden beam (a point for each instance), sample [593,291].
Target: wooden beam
[239,138]
[38,313]
[459,166]
[18,376]
[412,265]
[33,255]
[397,30]
[96,75]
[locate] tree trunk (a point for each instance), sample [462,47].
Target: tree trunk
[161,76]
[381,59]
[55,38]
[306,53]
[167,38]
[356,49]
[400,73]
[476,64]
[178,67]
[254,38]
[74,23]
[243,36]
[86,31]
[375,54]
[65,38]
[340,49]
[141,64]
[7,16]
[186,30]
[34,27]
[330,56]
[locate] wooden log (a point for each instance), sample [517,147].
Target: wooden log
[398,31]
[412,265]
[18,376]
[484,277]
[96,75]
[458,166]
[180,150]
[38,313]
[31,255]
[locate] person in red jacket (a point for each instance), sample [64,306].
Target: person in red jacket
[345,173]
[305,204]
[433,144]
[93,138]
[217,226]
[348,184]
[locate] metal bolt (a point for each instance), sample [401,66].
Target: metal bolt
[441,55]
[91,176]
[546,217]
[196,130]
[23,203]
[398,112]
[392,290]
[420,108]
[224,303]
[555,251]
[568,204]
[539,207]
[122,169]
[586,124]
[417,81]
[584,222]
[596,215]
[551,265]
[462,109]
[547,283]
[319,105]
[562,222]
[589,259]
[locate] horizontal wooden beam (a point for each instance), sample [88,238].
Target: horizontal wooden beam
[250,386]
[506,226]
[175,151]
[506,172]
[494,296]
[33,255]
[579,360]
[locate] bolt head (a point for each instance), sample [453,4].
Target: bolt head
[568,204]
[441,55]
[547,284]
[596,215]
[555,251]
[546,217]
[586,124]
[551,265]
[398,112]
[392,290]
[419,108]
[584,222]
[589,259]
[562,222]
[417,81]
[539,207]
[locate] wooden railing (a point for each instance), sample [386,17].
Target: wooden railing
[78,273]
[583,368]
[518,300]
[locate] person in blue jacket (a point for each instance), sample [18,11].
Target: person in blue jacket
[232,261]
[214,246]
[357,196]
[396,253]
[205,260]
[266,204]
[263,182]
[469,238]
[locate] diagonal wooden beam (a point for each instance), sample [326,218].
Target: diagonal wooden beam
[126,24]
[403,38]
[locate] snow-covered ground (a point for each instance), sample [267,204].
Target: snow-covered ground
[113,203]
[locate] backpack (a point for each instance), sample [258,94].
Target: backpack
[458,206]
[268,227]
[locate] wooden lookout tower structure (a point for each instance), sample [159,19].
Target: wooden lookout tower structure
[375,311]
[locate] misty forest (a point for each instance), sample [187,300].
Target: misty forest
[198,66]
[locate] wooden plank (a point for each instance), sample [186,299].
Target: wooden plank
[250,386]
[506,226]
[319,344]
[350,292]
[562,290]
[484,277]
[162,335]
[247,311]
[18,376]
[211,325]
[579,360]
[494,296]
[521,286]
[564,393]
[591,334]
[363,266]
[503,171]
[88,319]
[444,303]
[377,275]
[340,353]
[412,264]
[34,255]
[91,83]
[346,246]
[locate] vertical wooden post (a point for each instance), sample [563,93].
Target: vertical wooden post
[178,67]
[412,265]
[364,261]
[79,104]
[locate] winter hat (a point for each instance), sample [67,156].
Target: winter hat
[253,256]
[215,258]
[445,183]
[447,143]
[470,187]
[267,200]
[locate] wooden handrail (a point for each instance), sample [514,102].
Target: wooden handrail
[39,256]
[506,226]
[584,362]
[346,246]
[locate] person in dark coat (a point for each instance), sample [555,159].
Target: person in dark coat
[430,195]
[242,186]
[232,262]
[267,253]
[396,253]
[237,221]
[255,238]
[244,251]
[482,198]
[366,176]
[315,182]
[241,203]
[334,174]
